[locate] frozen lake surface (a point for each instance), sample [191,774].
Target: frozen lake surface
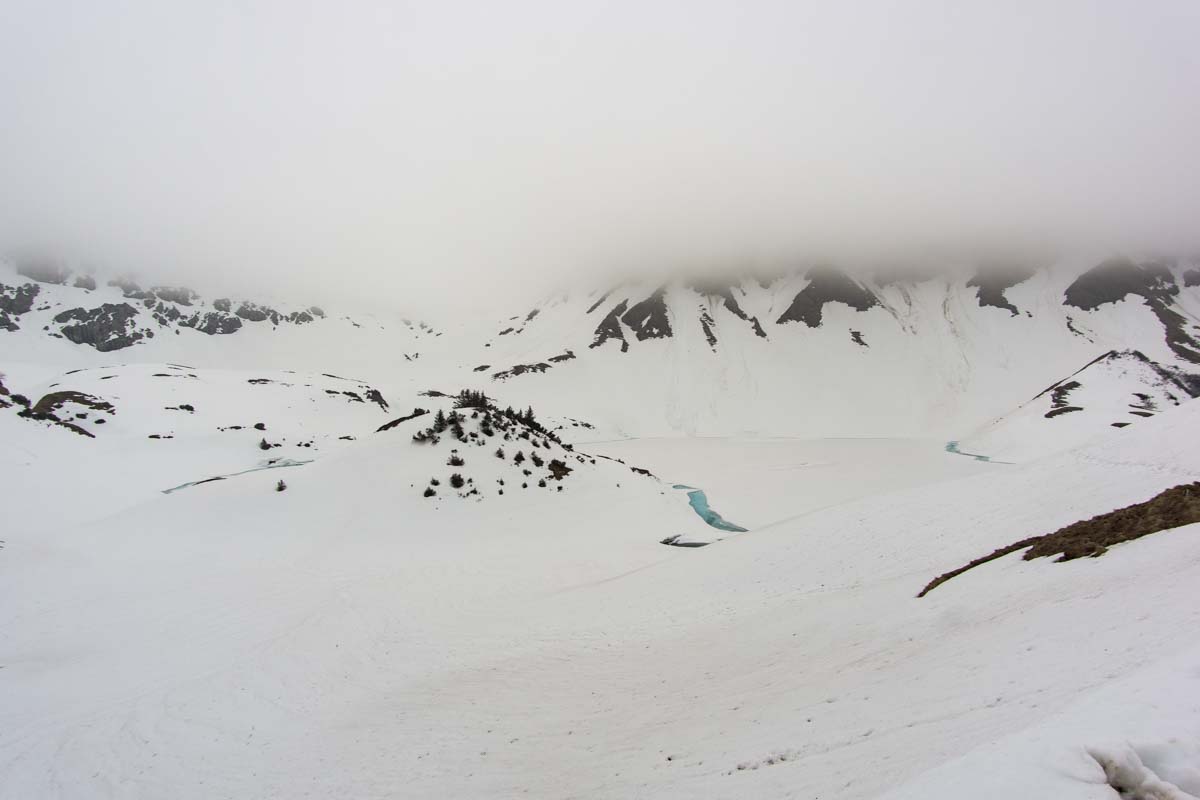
[758,482]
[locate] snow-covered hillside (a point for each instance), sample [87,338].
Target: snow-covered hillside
[349,637]
[812,353]
[50,315]
[1114,391]
[351,557]
[821,353]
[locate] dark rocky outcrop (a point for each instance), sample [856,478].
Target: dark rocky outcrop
[735,308]
[520,369]
[993,283]
[610,328]
[1176,327]
[1059,395]
[707,324]
[1173,380]
[376,397]
[649,319]
[387,426]
[252,312]
[826,286]
[1191,278]
[6,397]
[51,406]
[167,313]
[673,541]
[15,301]
[540,366]
[110,327]
[1173,508]
[723,293]
[213,323]
[1188,382]
[1118,278]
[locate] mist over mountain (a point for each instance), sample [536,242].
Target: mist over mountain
[452,153]
[601,400]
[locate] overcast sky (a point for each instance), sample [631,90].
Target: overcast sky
[428,151]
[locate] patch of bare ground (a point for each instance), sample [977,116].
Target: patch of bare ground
[1172,508]
[47,409]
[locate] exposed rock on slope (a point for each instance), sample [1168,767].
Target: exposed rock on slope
[67,409]
[925,352]
[993,284]
[1091,538]
[1116,279]
[122,314]
[649,319]
[721,296]
[610,327]
[109,327]
[826,286]
[1114,390]
[213,323]
[15,301]
[304,413]
[475,449]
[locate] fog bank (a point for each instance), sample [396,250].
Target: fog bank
[466,152]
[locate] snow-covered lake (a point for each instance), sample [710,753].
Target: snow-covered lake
[757,482]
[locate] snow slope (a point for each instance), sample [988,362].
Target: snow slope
[376,631]
[170,424]
[1115,390]
[48,326]
[814,353]
[818,353]
[348,637]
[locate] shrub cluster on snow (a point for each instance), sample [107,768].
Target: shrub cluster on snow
[475,421]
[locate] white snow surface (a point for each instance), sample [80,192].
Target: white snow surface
[350,637]
[934,363]
[1116,390]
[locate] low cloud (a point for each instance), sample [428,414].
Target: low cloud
[454,153]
